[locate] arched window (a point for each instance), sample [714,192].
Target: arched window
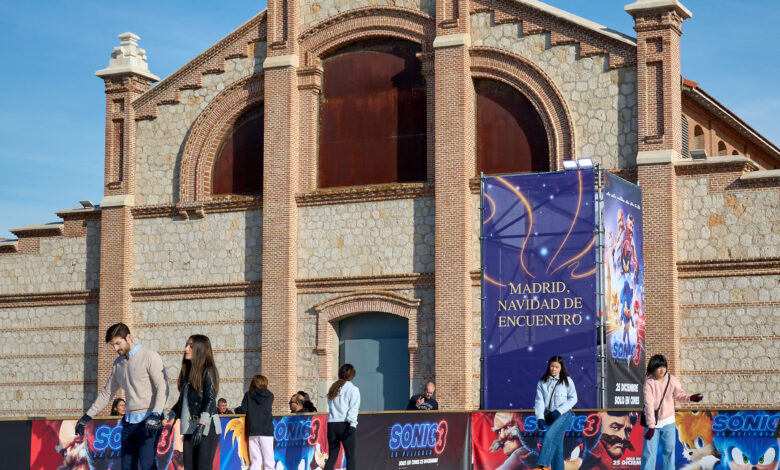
[722,148]
[238,168]
[698,138]
[510,134]
[735,152]
[372,115]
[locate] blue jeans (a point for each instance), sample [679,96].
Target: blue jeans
[551,454]
[668,436]
[137,448]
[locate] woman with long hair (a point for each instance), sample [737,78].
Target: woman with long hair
[555,397]
[661,389]
[260,427]
[197,404]
[118,407]
[343,406]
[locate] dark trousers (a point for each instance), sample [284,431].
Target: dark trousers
[201,456]
[344,434]
[138,449]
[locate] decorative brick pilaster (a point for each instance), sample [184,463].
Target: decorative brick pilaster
[659,87]
[280,214]
[126,77]
[455,164]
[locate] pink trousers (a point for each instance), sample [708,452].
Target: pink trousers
[261,452]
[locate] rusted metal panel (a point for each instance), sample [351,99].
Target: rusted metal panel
[372,115]
[510,134]
[239,165]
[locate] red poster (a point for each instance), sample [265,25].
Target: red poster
[511,440]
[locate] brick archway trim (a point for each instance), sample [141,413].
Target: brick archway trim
[365,23]
[213,123]
[536,85]
[348,305]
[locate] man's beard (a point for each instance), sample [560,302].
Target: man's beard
[512,433]
[610,440]
[76,456]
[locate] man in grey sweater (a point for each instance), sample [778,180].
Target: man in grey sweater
[141,374]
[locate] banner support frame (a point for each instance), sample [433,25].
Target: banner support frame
[600,301]
[481,292]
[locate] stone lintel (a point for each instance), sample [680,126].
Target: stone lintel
[452,40]
[641,5]
[121,200]
[655,157]
[289,60]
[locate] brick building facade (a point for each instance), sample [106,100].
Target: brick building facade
[268,276]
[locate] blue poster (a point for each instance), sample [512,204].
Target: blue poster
[539,282]
[624,293]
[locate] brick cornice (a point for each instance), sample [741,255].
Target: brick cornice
[534,21]
[366,22]
[197,291]
[523,75]
[728,267]
[352,283]
[239,43]
[364,193]
[49,230]
[714,165]
[43,299]
[216,204]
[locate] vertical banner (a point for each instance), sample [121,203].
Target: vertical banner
[539,284]
[414,441]
[596,440]
[624,293]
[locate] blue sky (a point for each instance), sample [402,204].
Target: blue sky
[52,106]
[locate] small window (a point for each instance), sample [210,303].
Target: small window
[722,148]
[238,168]
[698,138]
[510,133]
[735,152]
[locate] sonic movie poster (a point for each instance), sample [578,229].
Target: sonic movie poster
[539,284]
[726,440]
[624,293]
[508,440]
[55,446]
[300,443]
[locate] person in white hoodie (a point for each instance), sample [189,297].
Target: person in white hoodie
[343,407]
[555,397]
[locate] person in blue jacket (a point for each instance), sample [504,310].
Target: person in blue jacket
[555,397]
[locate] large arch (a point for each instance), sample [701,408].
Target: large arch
[367,23]
[344,306]
[531,81]
[213,123]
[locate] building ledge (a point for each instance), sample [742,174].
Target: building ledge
[51,229]
[761,175]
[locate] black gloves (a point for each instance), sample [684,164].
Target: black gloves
[154,423]
[555,415]
[649,433]
[82,423]
[198,434]
[540,423]
[697,398]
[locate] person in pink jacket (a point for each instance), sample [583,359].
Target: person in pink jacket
[659,412]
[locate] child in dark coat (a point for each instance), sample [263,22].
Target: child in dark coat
[259,423]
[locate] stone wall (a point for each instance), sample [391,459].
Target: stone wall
[728,310]
[730,225]
[366,238]
[602,102]
[160,141]
[233,325]
[217,249]
[49,355]
[315,11]
[64,264]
